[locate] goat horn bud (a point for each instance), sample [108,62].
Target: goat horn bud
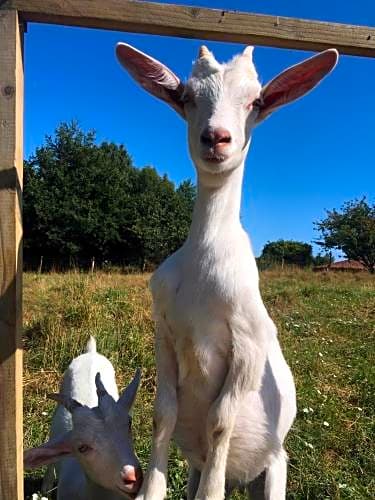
[248,51]
[204,52]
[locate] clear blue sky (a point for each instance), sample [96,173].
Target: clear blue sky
[314,154]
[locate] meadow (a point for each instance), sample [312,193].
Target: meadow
[326,326]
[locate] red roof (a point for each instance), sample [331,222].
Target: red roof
[342,265]
[347,264]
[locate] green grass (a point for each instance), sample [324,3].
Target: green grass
[326,327]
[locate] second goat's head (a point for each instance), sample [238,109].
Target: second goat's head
[223,102]
[100,439]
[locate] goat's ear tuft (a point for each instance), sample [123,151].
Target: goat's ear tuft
[296,81]
[152,75]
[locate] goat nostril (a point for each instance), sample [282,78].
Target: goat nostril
[226,139]
[207,138]
[215,137]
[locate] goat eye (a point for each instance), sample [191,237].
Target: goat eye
[258,102]
[84,448]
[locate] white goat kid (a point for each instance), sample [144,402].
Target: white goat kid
[91,434]
[224,389]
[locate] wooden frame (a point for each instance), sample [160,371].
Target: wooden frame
[11,154]
[121,15]
[197,22]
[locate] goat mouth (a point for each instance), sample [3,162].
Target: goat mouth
[129,494]
[214,158]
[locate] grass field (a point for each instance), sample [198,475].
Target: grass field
[326,327]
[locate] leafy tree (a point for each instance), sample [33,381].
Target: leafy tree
[286,252]
[323,259]
[83,200]
[351,230]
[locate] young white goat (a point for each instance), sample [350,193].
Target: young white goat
[91,434]
[224,389]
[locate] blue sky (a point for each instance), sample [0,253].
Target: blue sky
[310,156]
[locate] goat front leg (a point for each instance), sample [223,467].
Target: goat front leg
[165,414]
[246,367]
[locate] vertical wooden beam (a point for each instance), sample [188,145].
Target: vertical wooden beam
[11,156]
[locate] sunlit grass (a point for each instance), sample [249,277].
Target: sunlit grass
[326,327]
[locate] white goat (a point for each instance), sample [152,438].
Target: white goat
[224,389]
[91,434]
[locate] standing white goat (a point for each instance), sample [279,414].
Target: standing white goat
[91,434]
[224,389]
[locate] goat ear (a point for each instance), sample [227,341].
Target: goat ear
[128,396]
[152,75]
[295,82]
[48,453]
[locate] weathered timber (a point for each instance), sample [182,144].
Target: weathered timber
[11,142]
[197,22]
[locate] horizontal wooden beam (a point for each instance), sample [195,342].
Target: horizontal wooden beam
[197,22]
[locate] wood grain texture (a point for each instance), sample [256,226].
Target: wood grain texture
[202,23]
[11,141]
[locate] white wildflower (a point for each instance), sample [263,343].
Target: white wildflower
[309,445]
[320,354]
[325,423]
[305,410]
[342,485]
[312,411]
[36,496]
[44,413]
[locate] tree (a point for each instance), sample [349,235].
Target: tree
[351,230]
[86,200]
[323,259]
[286,252]
[75,195]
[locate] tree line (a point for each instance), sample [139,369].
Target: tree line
[85,201]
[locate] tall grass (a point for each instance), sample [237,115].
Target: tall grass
[326,325]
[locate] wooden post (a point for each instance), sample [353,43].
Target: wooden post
[11,142]
[40,265]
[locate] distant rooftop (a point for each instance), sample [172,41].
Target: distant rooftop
[342,265]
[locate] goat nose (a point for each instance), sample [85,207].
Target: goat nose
[131,477]
[215,136]
[128,474]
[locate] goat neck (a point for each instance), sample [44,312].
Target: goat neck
[217,207]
